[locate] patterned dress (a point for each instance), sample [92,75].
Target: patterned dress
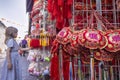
[15,73]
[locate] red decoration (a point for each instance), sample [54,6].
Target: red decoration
[34,43]
[92,39]
[54,68]
[103,55]
[54,48]
[113,37]
[37,26]
[74,40]
[35,32]
[34,12]
[69,50]
[118,4]
[64,36]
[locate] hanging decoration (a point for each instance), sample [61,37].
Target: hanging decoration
[113,37]
[92,39]
[60,11]
[118,4]
[64,35]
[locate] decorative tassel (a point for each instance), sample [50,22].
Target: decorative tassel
[92,65]
[71,70]
[50,5]
[60,2]
[69,12]
[61,62]
[34,43]
[111,73]
[54,70]
[69,2]
[66,70]
[79,69]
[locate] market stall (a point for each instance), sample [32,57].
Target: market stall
[85,38]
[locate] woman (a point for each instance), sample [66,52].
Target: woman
[11,68]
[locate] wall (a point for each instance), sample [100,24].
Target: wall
[2,36]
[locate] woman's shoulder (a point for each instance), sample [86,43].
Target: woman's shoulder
[10,40]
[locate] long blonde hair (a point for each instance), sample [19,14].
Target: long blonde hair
[9,33]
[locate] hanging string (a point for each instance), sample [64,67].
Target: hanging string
[105,21]
[100,21]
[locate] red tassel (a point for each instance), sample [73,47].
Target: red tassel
[60,3]
[65,10]
[50,3]
[69,13]
[56,8]
[67,23]
[69,2]
[34,43]
[59,25]
[66,70]
[54,68]
[66,59]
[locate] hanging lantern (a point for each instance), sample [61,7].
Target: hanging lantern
[81,39]
[113,40]
[64,36]
[102,55]
[92,39]
[69,50]
[74,40]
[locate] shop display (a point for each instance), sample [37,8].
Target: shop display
[81,34]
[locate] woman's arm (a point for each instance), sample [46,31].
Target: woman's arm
[9,55]
[25,49]
[9,62]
